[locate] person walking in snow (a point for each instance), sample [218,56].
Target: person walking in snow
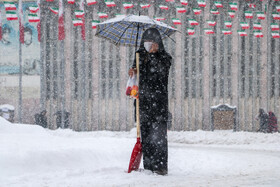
[154,65]
[41,119]
[263,118]
[272,122]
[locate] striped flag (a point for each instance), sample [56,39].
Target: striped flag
[94,23]
[201,3]
[231,13]
[61,32]
[102,15]
[193,22]
[169,0]
[257,26]
[10,6]
[274,27]
[278,8]
[184,2]
[119,15]
[159,18]
[211,23]
[233,6]
[228,24]
[79,13]
[71,1]
[258,34]
[33,18]
[77,22]
[261,15]
[176,21]
[226,31]
[34,9]
[11,15]
[213,11]
[83,29]
[276,16]
[181,9]
[144,5]
[54,10]
[208,31]
[110,3]
[275,34]
[163,7]
[127,5]
[242,33]
[91,2]
[218,4]
[197,11]
[21,23]
[190,31]
[249,14]
[244,25]
[39,24]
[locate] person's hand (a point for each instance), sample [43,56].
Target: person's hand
[131,71]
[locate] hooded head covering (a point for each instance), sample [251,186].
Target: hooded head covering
[152,34]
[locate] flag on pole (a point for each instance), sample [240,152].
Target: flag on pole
[159,18]
[91,2]
[276,16]
[127,5]
[54,10]
[10,6]
[176,21]
[163,7]
[201,3]
[218,4]
[228,24]
[181,9]
[231,13]
[214,11]
[233,6]
[21,24]
[275,34]
[197,11]
[226,31]
[39,24]
[274,27]
[260,15]
[83,29]
[61,32]
[258,34]
[33,18]
[208,31]
[248,14]
[190,31]
[11,15]
[211,23]
[71,2]
[102,15]
[34,9]
[110,3]
[244,25]
[184,2]
[94,23]
[242,33]
[193,22]
[278,8]
[144,5]
[77,22]
[79,13]
[257,26]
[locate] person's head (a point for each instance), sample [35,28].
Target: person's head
[151,41]
[44,112]
[6,35]
[27,36]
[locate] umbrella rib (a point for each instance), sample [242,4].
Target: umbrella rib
[124,32]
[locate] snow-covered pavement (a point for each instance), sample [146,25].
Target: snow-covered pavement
[33,156]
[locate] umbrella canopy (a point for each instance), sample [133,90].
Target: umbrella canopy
[123,30]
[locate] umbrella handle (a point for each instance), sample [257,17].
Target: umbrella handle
[137,100]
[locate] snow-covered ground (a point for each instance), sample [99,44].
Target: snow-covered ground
[33,156]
